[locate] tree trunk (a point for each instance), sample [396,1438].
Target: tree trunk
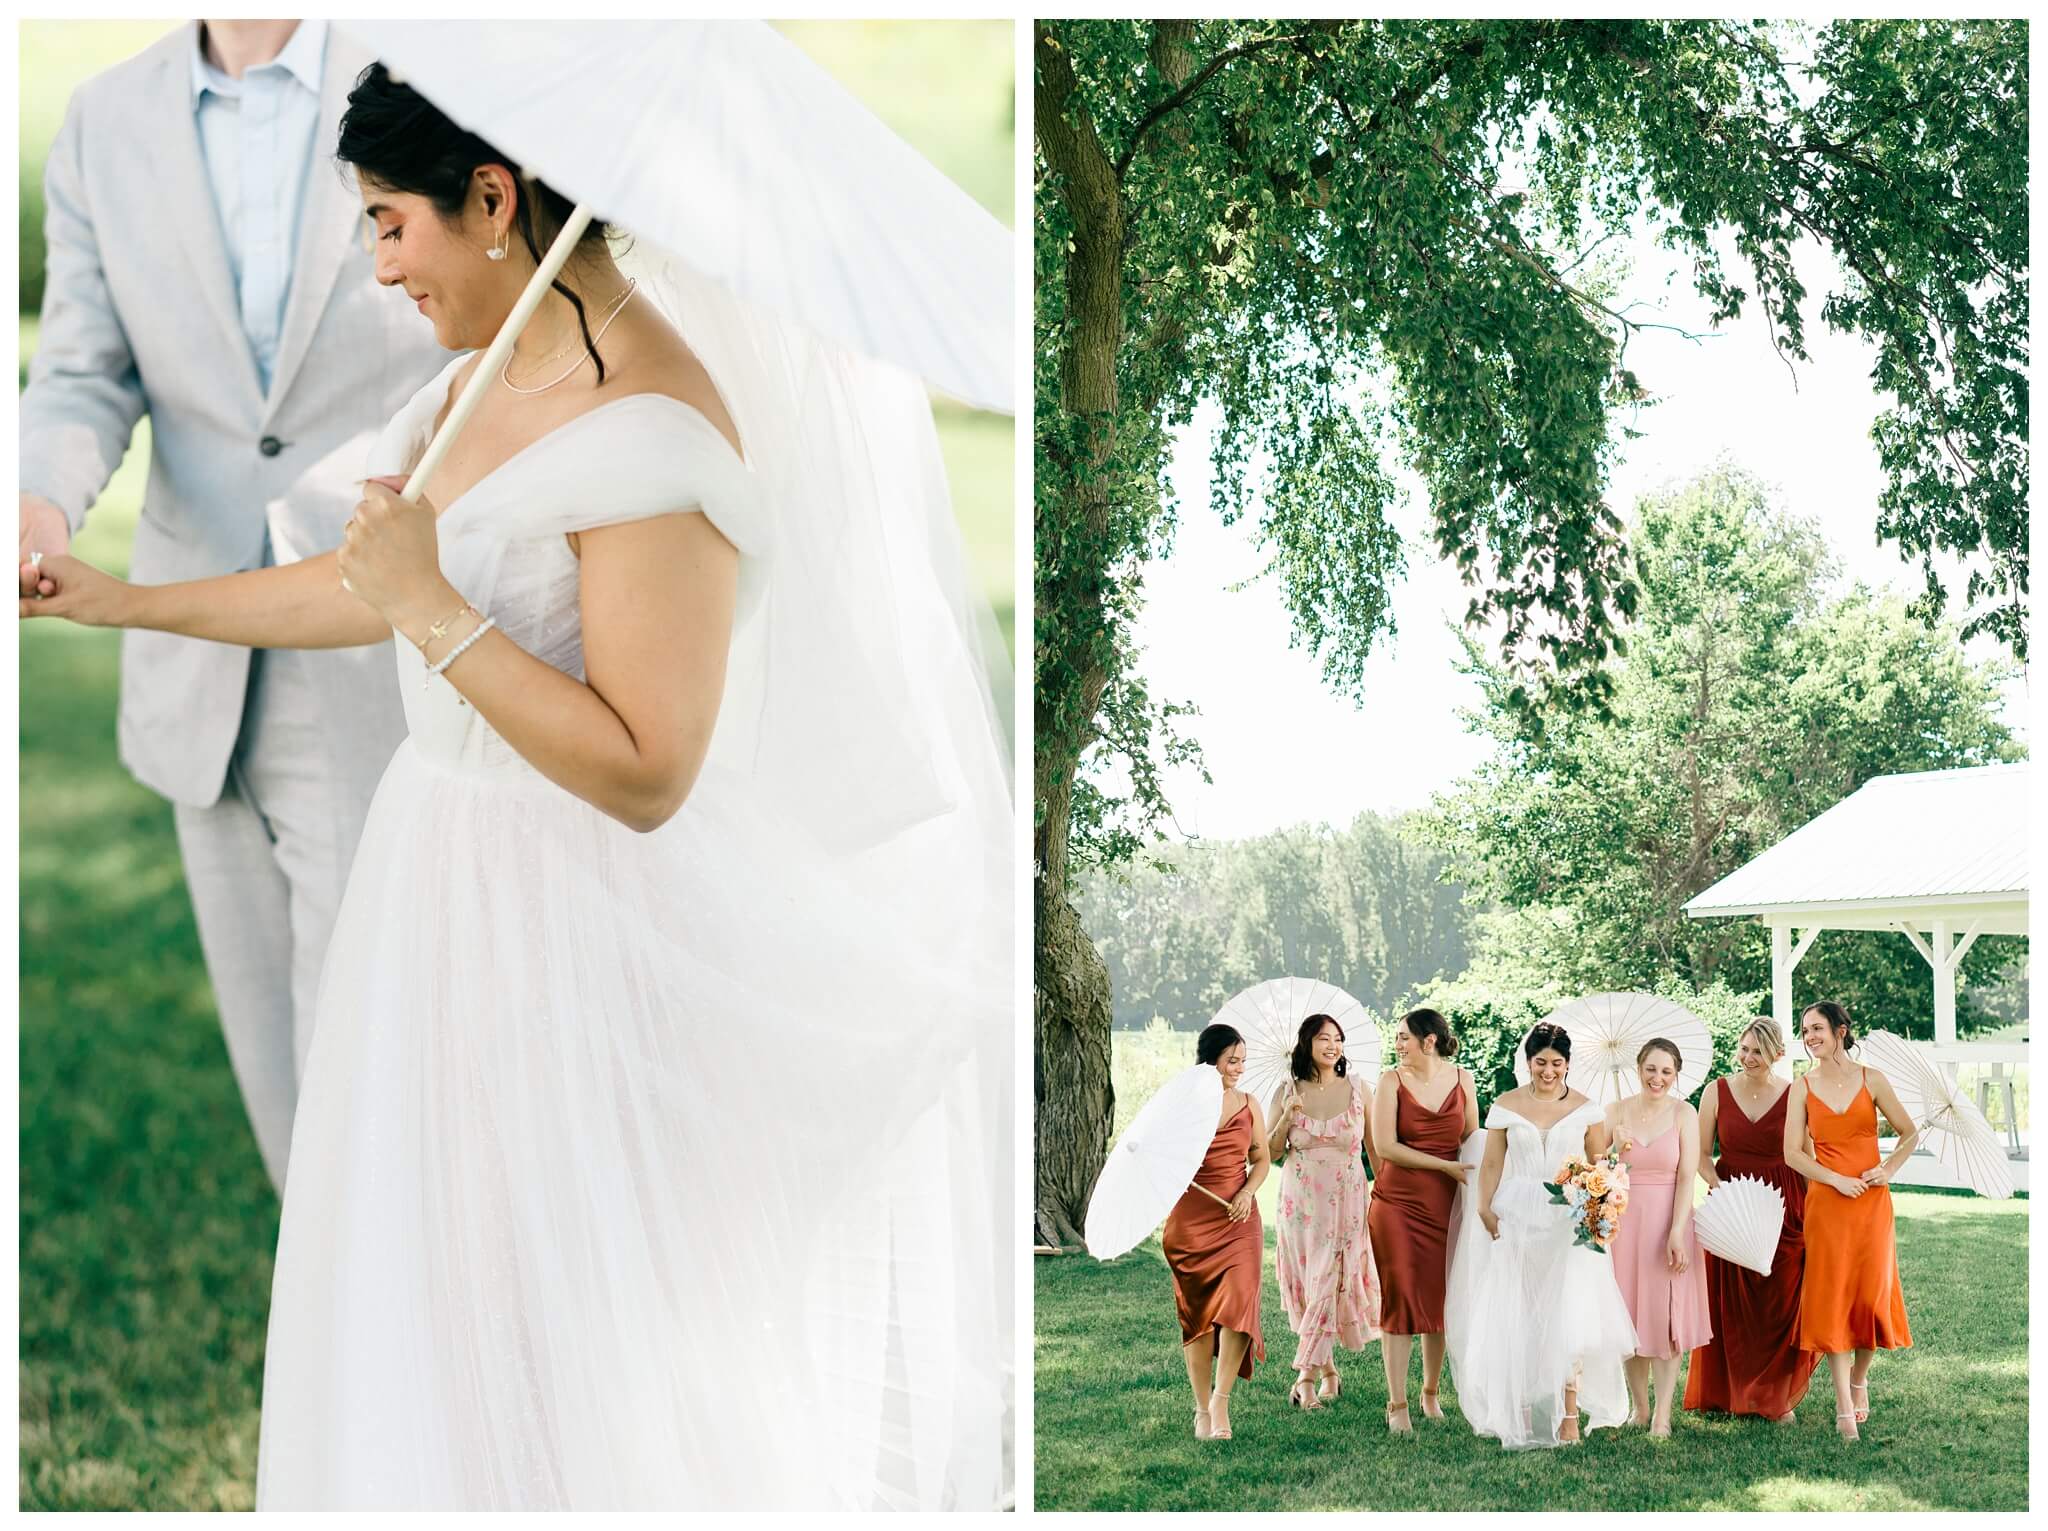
[1071,1008]
[1070,1071]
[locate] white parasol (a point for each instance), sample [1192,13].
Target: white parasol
[1956,1132]
[1608,1030]
[1154,1162]
[1269,1015]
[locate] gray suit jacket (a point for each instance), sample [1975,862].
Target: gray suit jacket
[140,317]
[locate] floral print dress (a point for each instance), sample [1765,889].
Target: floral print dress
[1324,1259]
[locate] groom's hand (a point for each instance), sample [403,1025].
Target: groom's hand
[44,530]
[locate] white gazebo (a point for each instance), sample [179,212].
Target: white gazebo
[1940,857]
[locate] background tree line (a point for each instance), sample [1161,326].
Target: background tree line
[1364,907]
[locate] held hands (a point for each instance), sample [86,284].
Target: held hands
[1877,1175]
[390,554]
[44,530]
[1849,1186]
[65,587]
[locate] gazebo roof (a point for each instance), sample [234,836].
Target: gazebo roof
[1915,848]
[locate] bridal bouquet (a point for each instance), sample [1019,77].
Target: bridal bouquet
[1596,1190]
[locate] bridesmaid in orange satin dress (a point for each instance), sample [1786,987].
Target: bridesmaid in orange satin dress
[1753,1364]
[1216,1247]
[1418,1120]
[1850,1305]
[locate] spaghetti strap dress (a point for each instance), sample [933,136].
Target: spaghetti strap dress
[1410,1215]
[1218,1265]
[1851,1298]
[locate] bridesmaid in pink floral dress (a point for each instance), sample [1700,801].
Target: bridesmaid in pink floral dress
[1322,1120]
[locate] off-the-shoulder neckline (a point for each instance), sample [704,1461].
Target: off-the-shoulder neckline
[690,410]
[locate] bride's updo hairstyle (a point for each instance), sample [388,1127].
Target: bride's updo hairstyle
[1216,1040]
[1303,1062]
[1838,1022]
[1423,1024]
[395,137]
[1547,1036]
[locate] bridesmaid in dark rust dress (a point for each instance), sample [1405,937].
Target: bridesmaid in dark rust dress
[1417,1126]
[1215,1245]
[1753,1364]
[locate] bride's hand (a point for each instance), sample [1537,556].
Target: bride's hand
[390,556]
[1489,1222]
[82,594]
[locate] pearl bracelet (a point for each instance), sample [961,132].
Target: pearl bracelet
[460,649]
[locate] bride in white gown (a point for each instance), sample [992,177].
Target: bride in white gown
[1535,1329]
[650,1149]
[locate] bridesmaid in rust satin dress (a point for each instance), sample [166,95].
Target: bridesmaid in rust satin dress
[1215,1245]
[1850,1304]
[1753,1364]
[1418,1123]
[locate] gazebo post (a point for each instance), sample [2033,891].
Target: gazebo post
[1784,958]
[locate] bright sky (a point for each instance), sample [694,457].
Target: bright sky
[1282,748]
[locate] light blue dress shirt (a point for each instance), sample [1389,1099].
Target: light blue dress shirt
[256,137]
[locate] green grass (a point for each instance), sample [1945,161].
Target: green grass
[1949,1430]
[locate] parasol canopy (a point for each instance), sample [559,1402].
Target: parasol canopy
[1954,1130]
[1269,1015]
[1608,1030]
[1154,1162]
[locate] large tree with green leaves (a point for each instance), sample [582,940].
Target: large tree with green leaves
[1753,698]
[1367,243]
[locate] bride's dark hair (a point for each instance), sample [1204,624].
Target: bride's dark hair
[396,137]
[1303,1062]
[1548,1034]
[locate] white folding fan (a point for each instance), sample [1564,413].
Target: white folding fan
[1740,1221]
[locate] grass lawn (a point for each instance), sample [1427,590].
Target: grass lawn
[1948,1429]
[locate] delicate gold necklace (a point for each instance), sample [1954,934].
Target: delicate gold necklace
[618,305]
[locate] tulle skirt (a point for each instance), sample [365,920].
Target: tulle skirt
[1527,1316]
[634,1171]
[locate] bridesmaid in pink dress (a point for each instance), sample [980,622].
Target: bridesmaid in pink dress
[1656,1257]
[1322,1257]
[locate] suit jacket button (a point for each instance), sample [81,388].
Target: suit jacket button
[270,446]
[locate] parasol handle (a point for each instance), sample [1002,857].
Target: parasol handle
[499,349]
[1210,1194]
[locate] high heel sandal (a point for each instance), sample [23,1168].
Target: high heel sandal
[1404,1428]
[1202,1431]
[1303,1394]
[1329,1387]
[1861,1405]
[1850,1434]
[1430,1408]
[1219,1431]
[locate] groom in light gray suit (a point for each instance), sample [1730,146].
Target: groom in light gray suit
[207,267]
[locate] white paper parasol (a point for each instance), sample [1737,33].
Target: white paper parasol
[1953,1129]
[1154,1162]
[1608,1030]
[1269,1015]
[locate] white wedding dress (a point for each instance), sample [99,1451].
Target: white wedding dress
[1527,1312]
[657,1171]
